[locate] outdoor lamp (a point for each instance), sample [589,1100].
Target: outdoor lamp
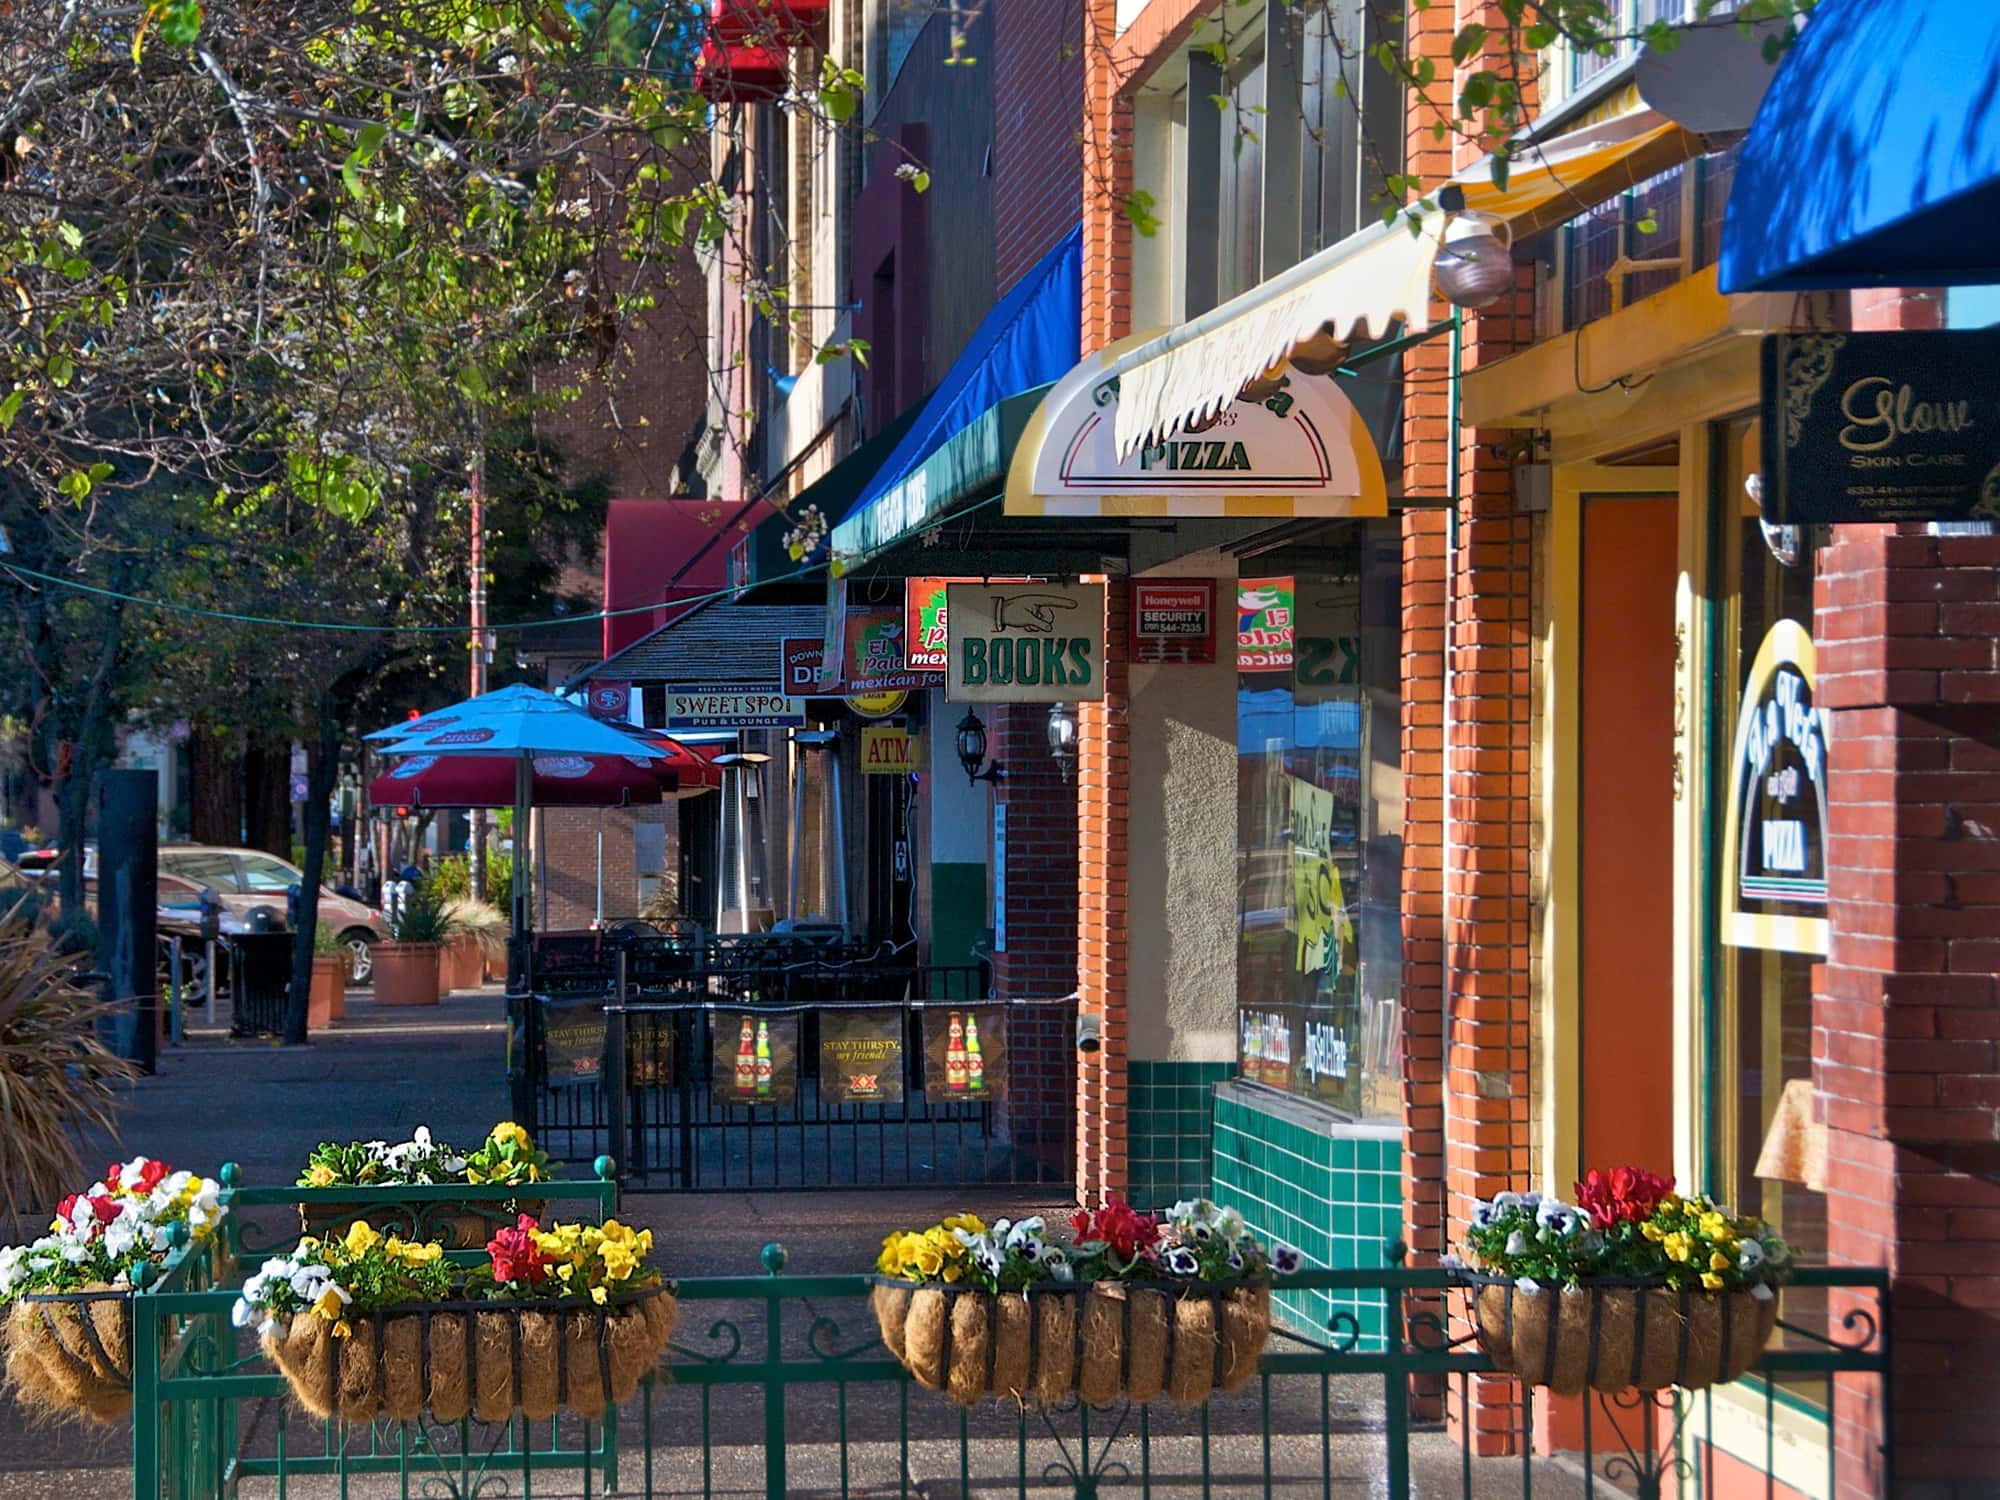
[1062,737]
[1475,262]
[972,749]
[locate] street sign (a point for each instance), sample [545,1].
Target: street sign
[1025,642]
[726,709]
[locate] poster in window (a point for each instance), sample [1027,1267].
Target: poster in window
[1173,620]
[1774,893]
[573,1041]
[861,1056]
[965,1053]
[1264,625]
[1267,1047]
[1326,645]
[754,1057]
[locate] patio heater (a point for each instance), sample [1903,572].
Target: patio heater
[738,767]
[816,780]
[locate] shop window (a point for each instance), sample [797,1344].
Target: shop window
[1320,821]
[1240,183]
[1768,890]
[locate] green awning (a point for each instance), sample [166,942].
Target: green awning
[834,492]
[969,468]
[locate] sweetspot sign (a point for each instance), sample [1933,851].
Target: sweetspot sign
[1025,642]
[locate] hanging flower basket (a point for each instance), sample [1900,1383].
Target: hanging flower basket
[1103,1343]
[1634,1286]
[568,1318]
[483,1359]
[70,1353]
[375,1169]
[1620,1336]
[457,1226]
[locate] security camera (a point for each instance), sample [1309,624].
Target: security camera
[1089,1031]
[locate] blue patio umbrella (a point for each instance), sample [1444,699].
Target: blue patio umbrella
[519,723]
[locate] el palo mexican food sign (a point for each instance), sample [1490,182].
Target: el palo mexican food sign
[1025,642]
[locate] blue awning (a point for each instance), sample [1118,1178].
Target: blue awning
[1030,338]
[1875,156]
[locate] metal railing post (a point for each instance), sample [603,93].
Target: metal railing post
[612,1080]
[1396,1392]
[774,1258]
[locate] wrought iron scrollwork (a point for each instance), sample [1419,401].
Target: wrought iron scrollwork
[720,1329]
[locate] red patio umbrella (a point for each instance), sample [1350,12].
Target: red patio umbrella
[558,780]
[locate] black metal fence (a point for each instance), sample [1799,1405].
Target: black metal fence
[726,1066]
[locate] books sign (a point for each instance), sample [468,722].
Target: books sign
[1025,642]
[1173,619]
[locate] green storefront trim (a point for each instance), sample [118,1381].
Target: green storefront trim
[1169,1122]
[958,912]
[1331,1188]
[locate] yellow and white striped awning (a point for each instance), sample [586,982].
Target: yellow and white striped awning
[1373,280]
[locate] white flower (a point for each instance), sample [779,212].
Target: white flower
[121,1235]
[309,1281]
[454,1165]
[1229,1224]
[421,1138]
[1558,1220]
[1451,1261]
[266,1328]
[1761,1293]
[1504,1201]
[1027,1229]
[1483,1215]
[1749,1255]
[241,1314]
[1182,1261]
[1517,1243]
[1285,1260]
[1529,1285]
[908,171]
[1531,1199]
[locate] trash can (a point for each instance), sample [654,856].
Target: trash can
[260,977]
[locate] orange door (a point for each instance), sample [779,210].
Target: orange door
[1625,820]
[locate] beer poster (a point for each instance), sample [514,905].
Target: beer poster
[573,1041]
[861,1056]
[965,1053]
[754,1057]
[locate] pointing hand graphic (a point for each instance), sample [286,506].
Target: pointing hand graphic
[1032,614]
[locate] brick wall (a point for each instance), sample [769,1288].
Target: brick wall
[1037,150]
[1040,960]
[1103,802]
[570,853]
[1906,1010]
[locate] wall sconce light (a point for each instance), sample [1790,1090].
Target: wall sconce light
[1062,738]
[1475,262]
[972,750]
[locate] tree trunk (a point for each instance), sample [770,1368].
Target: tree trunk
[267,795]
[215,787]
[87,752]
[322,769]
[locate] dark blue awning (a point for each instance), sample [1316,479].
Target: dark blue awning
[1875,156]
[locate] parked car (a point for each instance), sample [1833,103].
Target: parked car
[245,879]
[252,887]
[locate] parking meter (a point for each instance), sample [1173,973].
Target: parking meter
[211,915]
[292,906]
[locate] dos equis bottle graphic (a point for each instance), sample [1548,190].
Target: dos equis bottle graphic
[763,1057]
[975,1062]
[954,1055]
[746,1058]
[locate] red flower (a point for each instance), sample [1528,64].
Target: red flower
[1119,1226]
[63,1208]
[1624,1195]
[105,1209]
[515,1256]
[151,1175]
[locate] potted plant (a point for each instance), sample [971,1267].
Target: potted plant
[479,937]
[372,1171]
[406,966]
[332,968]
[1137,1306]
[368,1325]
[1634,1286]
[67,1338]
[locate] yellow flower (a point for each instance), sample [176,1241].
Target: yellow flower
[1671,1204]
[510,1134]
[361,1238]
[970,1223]
[1712,1281]
[320,1175]
[1714,1225]
[953,1271]
[1719,1262]
[1652,1231]
[597,1295]
[342,1329]
[329,1306]
[565,1271]
[1678,1246]
[928,1260]
[619,1262]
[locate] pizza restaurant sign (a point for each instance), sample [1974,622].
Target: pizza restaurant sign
[1775,895]
[1301,450]
[1025,642]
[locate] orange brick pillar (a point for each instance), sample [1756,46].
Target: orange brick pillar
[1906,1009]
[1103,803]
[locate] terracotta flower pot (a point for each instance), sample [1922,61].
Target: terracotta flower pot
[326,1001]
[407,973]
[463,966]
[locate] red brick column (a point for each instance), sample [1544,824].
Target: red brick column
[1103,803]
[1906,1012]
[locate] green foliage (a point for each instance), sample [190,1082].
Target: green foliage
[422,918]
